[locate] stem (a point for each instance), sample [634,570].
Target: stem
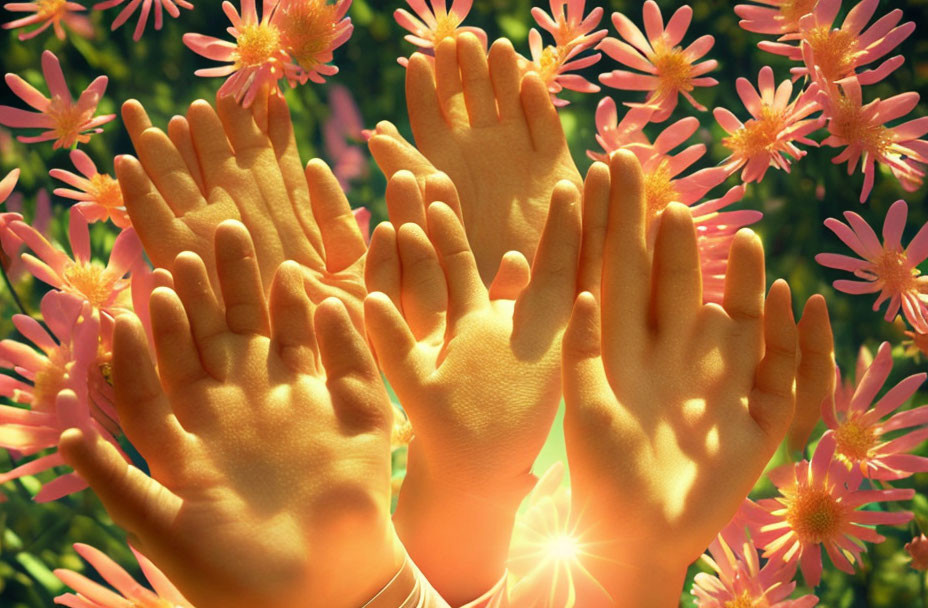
[9,286]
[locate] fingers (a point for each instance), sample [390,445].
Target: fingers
[240,128]
[136,120]
[178,360]
[595,220]
[771,401]
[475,79]
[815,377]
[392,153]
[626,273]
[440,189]
[584,380]
[209,139]
[512,277]
[425,114]
[744,294]
[144,411]
[424,292]
[382,268]
[240,280]
[466,291]
[506,78]
[152,218]
[135,501]
[448,84]
[162,278]
[549,297]
[392,339]
[341,236]
[404,200]
[291,317]
[541,115]
[204,312]
[179,133]
[352,376]
[676,278]
[168,171]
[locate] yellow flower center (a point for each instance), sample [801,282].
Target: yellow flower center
[105,190]
[91,281]
[549,64]
[794,10]
[51,9]
[307,30]
[673,69]
[835,51]
[898,277]
[850,123]
[68,121]
[659,189]
[745,601]
[445,28]
[48,383]
[256,44]
[757,135]
[853,441]
[815,516]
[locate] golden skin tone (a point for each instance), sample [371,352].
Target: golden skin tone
[673,407]
[267,431]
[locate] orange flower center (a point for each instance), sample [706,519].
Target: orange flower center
[758,135]
[91,281]
[105,191]
[794,10]
[445,28]
[850,123]
[256,44]
[853,441]
[835,51]
[659,189]
[744,601]
[815,515]
[48,383]
[897,275]
[307,30]
[673,69]
[549,64]
[51,9]
[68,121]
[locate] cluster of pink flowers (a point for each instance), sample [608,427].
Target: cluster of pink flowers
[59,14]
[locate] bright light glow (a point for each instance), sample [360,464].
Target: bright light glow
[563,548]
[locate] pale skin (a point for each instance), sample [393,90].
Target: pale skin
[494,132]
[673,407]
[267,431]
[478,372]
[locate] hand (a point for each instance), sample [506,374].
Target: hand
[243,165]
[496,135]
[269,444]
[478,372]
[673,407]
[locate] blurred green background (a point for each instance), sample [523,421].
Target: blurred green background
[158,70]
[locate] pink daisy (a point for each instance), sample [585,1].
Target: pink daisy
[340,132]
[740,581]
[767,139]
[67,123]
[831,54]
[777,17]
[859,429]
[553,64]
[862,130]
[83,277]
[669,69]
[91,594]
[99,196]
[613,134]
[160,7]
[67,358]
[886,268]
[256,58]
[310,31]
[567,24]
[432,24]
[49,13]
[10,243]
[817,508]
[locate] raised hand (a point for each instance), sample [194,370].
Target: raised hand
[478,372]
[244,165]
[496,135]
[673,407]
[267,435]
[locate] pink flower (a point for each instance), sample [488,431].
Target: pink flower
[886,268]
[767,139]
[552,64]
[310,31]
[862,130]
[740,581]
[159,5]
[363,217]
[67,123]
[61,383]
[256,58]
[8,183]
[917,548]
[831,54]
[860,430]
[782,19]
[567,24]
[99,196]
[11,243]
[817,508]
[50,13]
[670,70]
[343,126]
[612,134]
[434,23]
[83,277]
[128,592]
